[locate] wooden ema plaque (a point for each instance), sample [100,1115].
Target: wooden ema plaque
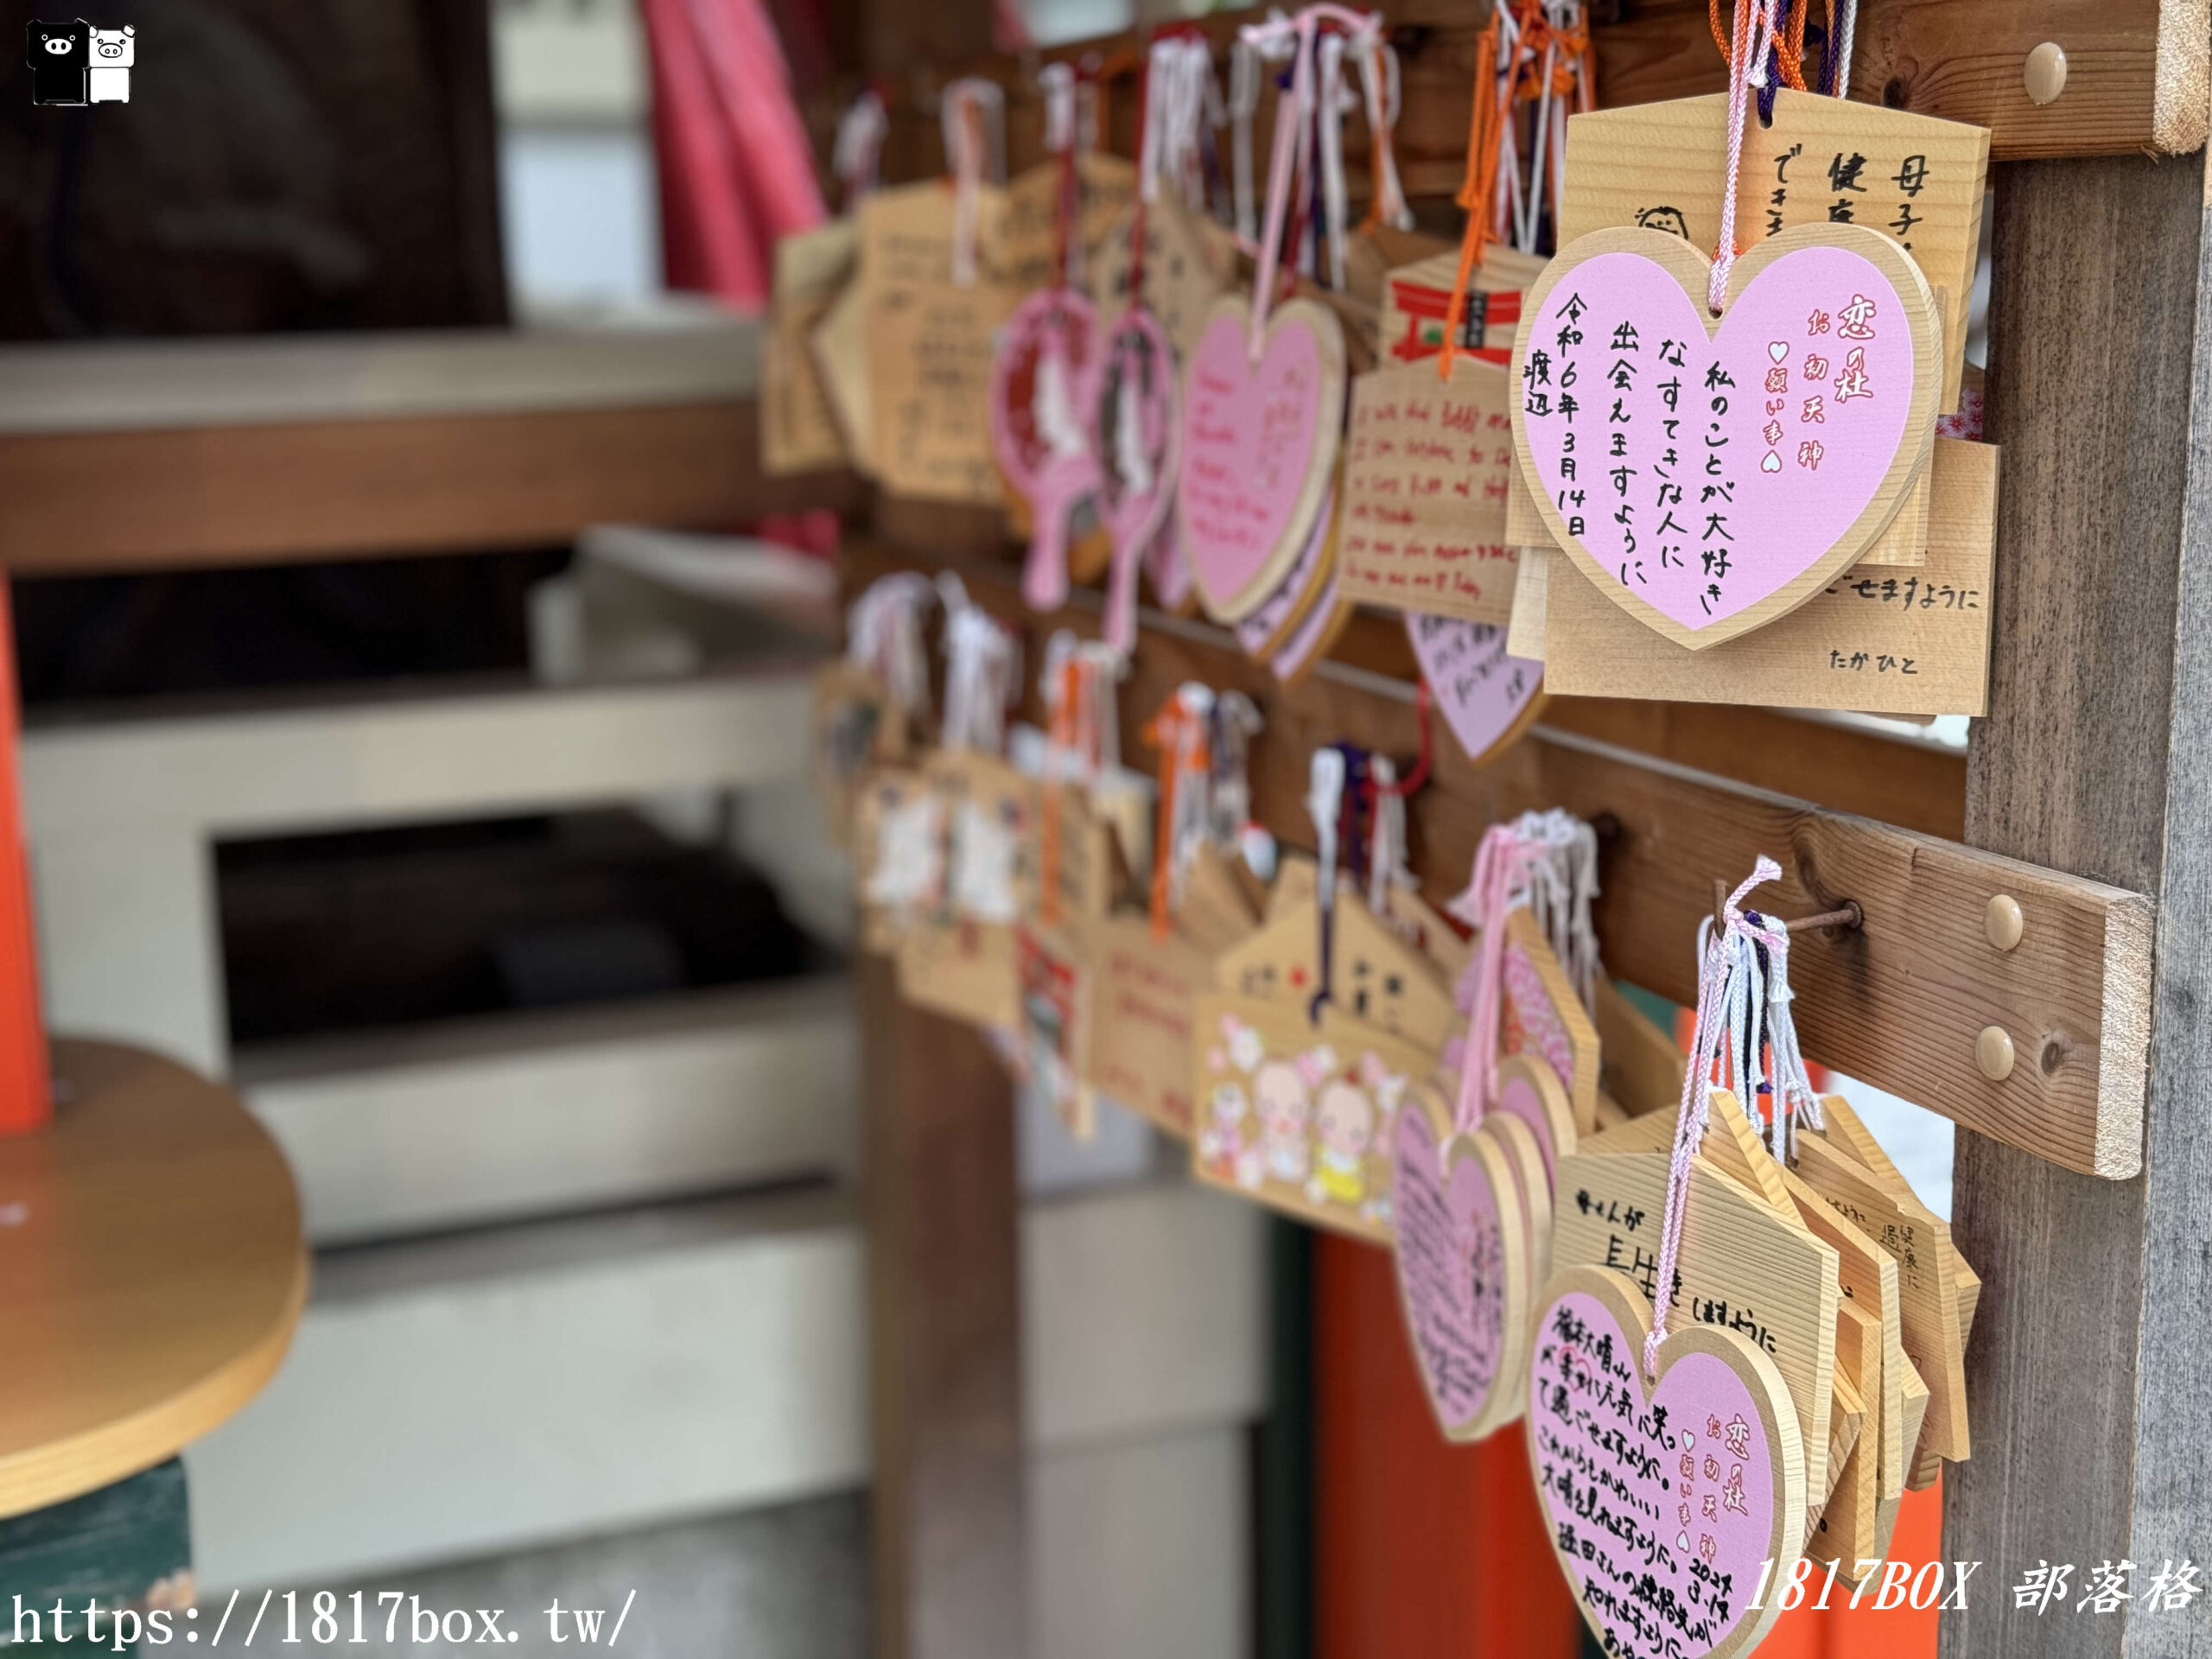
[1188,264]
[1417,298]
[1463,1267]
[1142,992]
[1709,476]
[1542,1015]
[1822,160]
[1105,185]
[1744,1267]
[1259,444]
[958,958]
[798,425]
[1874,640]
[1379,979]
[1671,1498]
[1487,695]
[928,342]
[1297,1114]
[1429,464]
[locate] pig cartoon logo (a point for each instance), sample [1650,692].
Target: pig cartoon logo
[73,63]
[114,50]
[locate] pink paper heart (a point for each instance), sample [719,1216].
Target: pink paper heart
[1700,474]
[1043,384]
[1664,1500]
[1482,692]
[1451,1264]
[1258,440]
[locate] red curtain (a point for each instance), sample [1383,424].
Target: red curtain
[736,172]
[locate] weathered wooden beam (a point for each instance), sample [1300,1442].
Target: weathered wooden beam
[948,1541]
[2087,1379]
[1899,1002]
[2136,78]
[278,493]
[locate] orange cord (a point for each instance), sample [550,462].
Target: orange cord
[1168,732]
[1485,129]
[1788,52]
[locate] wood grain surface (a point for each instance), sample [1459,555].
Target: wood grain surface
[949,1549]
[281,493]
[152,1274]
[2135,79]
[2087,1377]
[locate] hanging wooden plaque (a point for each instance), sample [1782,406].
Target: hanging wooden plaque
[1380,980]
[928,342]
[1876,641]
[1417,298]
[1912,177]
[1427,469]
[1105,187]
[1673,1499]
[1188,263]
[1488,695]
[1709,476]
[1462,1259]
[1299,1113]
[798,426]
[1743,1266]
[1259,443]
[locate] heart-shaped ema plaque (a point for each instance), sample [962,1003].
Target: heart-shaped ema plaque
[1462,1261]
[1043,384]
[1710,474]
[1528,1090]
[1488,697]
[1665,1499]
[1259,446]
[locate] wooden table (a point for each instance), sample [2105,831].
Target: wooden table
[152,1271]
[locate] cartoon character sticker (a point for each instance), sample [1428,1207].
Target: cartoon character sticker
[1303,1128]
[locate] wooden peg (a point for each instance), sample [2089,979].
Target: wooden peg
[1992,1052]
[2044,75]
[2002,922]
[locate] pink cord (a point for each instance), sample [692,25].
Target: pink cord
[1747,71]
[1501,865]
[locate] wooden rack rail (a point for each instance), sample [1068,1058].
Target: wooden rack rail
[1898,1001]
[2134,81]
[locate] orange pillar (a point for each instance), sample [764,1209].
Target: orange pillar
[1420,1547]
[26,1095]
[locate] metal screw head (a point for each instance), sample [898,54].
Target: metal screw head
[2044,75]
[1992,1052]
[2003,921]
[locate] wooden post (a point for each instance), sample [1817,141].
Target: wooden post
[2090,1374]
[949,1536]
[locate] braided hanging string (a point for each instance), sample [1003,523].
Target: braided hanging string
[1744,1040]
[1500,884]
[883,634]
[981,672]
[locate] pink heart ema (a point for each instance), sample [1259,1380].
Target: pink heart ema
[1451,1270]
[1248,437]
[1662,1505]
[1704,472]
